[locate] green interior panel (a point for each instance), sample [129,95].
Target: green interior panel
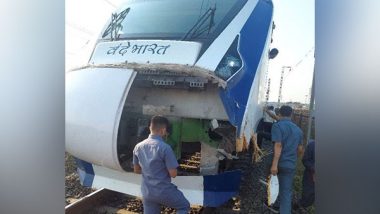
[174,139]
[189,130]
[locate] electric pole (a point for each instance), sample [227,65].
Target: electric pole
[281,82]
[267,93]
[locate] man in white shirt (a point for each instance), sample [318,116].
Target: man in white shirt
[269,115]
[268,119]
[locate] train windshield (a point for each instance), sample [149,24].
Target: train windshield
[188,20]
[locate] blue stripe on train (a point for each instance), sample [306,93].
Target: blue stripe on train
[252,42]
[86,172]
[218,189]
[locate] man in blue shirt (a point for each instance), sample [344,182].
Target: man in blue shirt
[287,138]
[155,160]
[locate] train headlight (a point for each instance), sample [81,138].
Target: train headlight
[233,62]
[230,63]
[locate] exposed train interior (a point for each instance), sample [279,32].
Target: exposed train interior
[200,135]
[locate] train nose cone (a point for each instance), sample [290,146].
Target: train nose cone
[94,102]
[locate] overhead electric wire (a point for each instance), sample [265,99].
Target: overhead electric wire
[300,61]
[292,68]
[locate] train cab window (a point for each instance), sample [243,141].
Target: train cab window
[171,19]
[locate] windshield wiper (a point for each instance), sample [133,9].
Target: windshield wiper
[116,25]
[199,28]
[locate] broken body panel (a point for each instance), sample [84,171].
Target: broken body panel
[211,88]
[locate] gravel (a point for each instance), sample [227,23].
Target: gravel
[253,193]
[73,188]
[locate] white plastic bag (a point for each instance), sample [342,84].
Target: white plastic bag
[273,189]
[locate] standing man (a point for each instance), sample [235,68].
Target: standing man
[269,117]
[155,160]
[264,130]
[308,180]
[287,138]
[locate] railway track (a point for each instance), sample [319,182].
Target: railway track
[190,164]
[104,201]
[96,202]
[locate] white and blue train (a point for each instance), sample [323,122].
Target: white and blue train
[201,63]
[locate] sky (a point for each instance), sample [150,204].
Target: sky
[293,37]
